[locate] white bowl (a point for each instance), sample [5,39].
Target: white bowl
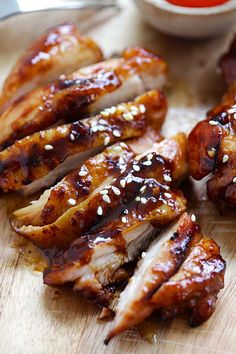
[186,21]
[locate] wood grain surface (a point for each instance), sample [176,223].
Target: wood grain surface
[37,319]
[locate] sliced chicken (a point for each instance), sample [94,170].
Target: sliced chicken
[76,186]
[40,159]
[105,198]
[92,260]
[179,272]
[212,143]
[85,92]
[60,50]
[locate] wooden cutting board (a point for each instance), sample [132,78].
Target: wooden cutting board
[37,319]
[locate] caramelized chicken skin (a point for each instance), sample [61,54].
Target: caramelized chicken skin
[212,143]
[60,50]
[85,92]
[179,272]
[38,160]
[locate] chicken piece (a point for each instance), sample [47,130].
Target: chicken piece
[60,50]
[39,160]
[76,186]
[85,92]
[212,143]
[92,260]
[179,272]
[79,219]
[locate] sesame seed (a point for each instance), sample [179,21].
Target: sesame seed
[193,218]
[99,210]
[234,180]
[143,189]
[232,110]
[167,178]
[72,137]
[128,116]
[129,179]
[138,199]
[122,144]
[143,200]
[124,219]
[115,190]
[121,108]
[225,158]
[48,147]
[106,198]
[123,183]
[136,168]
[104,191]
[83,173]
[147,163]
[107,140]
[234,115]
[116,133]
[121,160]
[105,113]
[108,186]
[142,108]
[102,121]
[71,201]
[101,128]
[167,195]
[94,129]
[113,109]
[117,148]
[143,254]
[149,156]
[213,122]
[134,108]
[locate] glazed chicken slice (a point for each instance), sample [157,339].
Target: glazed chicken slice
[74,188]
[105,198]
[92,260]
[40,159]
[60,50]
[85,92]
[179,272]
[212,143]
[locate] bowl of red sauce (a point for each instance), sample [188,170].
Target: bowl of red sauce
[190,18]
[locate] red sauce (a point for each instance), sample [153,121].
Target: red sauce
[197,3]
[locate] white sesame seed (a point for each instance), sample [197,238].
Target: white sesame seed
[138,199]
[107,140]
[143,189]
[124,219]
[128,116]
[143,200]
[232,110]
[167,178]
[72,137]
[101,128]
[142,108]
[129,179]
[213,122]
[113,109]
[150,157]
[167,195]
[121,161]
[106,198]
[83,173]
[102,121]
[94,129]
[104,191]
[143,254]
[134,113]
[48,147]
[121,108]
[105,113]
[108,186]
[116,133]
[115,190]
[234,115]
[123,183]
[225,158]
[234,180]
[117,148]
[71,201]
[99,210]
[134,108]
[147,163]
[193,218]
[122,144]
[136,168]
